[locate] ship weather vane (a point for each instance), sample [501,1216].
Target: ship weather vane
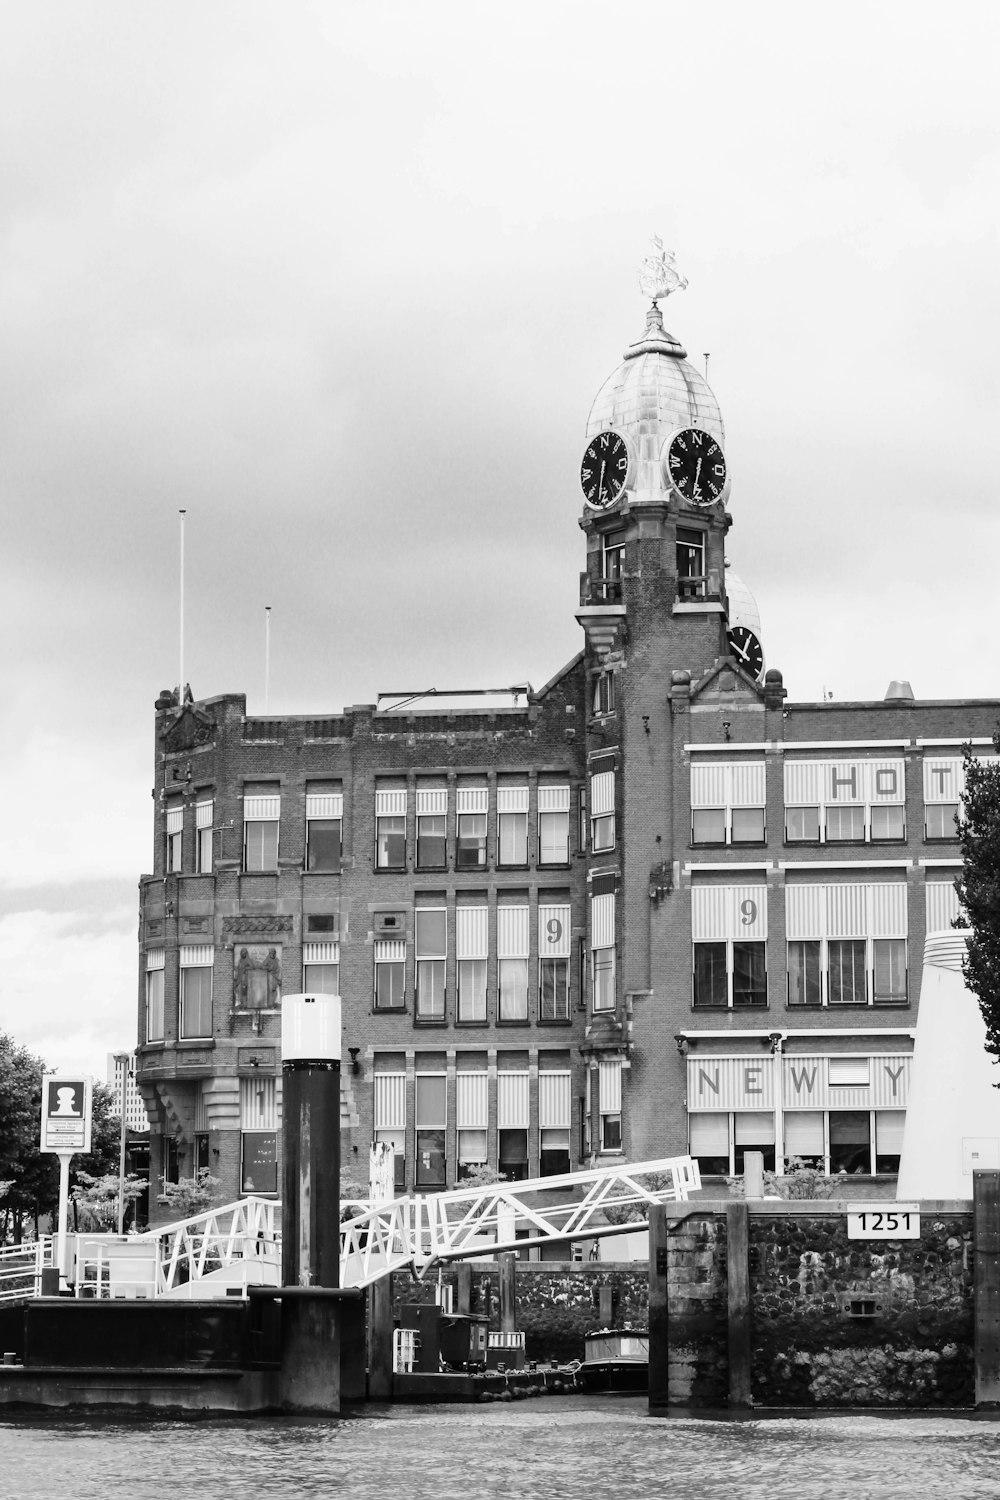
[658,273]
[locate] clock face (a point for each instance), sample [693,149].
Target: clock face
[695,466]
[746,648]
[604,469]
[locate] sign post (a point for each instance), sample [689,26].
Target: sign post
[66,1108]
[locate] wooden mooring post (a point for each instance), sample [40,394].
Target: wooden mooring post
[986,1221]
[738,1278]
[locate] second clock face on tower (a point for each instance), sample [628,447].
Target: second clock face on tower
[604,469]
[747,650]
[695,466]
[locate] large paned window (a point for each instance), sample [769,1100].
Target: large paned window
[390,829]
[512,963]
[729,929]
[602,811]
[472,1119]
[609,1085]
[944,787]
[204,816]
[846,944]
[259,1126]
[553,825]
[175,837]
[471,953]
[390,973]
[431,942]
[512,825]
[431,1122]
[602,956]
[196,991]
[324,830]
[845,801]
[321,968]
[512,1125]
[261,814]
[470,852]
[728,801]
[154,995]
[691,579]
[555,1107]
[432,828]
[390,1117]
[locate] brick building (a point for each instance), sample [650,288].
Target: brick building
[654,905]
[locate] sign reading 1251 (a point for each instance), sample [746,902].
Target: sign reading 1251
[883,1221]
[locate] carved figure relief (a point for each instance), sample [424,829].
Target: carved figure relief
[257,978]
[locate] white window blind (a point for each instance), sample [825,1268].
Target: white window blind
[555,1104]
[602,794]
[472,932]
[201,957]
[321,953]
[602,921]
[610,1087]
[942,905]
[203,814]
[472,1110]
[512,799]
[154,959]
[391,804]
[175,819]
[554,931]
[729,784]
[325,805]
[473,799]
[553,799]
[851,783]
[390,1101]
[889,1131]
[709,1134]
[512,932]
[261,809]
[722,912]
[387,950]
[512,1101]
[258,1103]
[804,1132]
[846,910]
[753,1128]
[432,801]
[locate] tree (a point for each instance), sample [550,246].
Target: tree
[978,887]
[33,1175]
[95,1199]
[192,1195]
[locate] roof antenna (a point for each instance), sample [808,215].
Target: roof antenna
[267,656]
[180,680]
[706,358]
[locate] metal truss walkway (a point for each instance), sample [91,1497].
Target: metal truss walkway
[222,1252]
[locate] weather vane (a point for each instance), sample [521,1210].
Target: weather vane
[658,273]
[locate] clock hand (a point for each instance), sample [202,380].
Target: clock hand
[736,648]
[600,484]
[697,471]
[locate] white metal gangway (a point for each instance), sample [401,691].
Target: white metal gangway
[420,1231]
[227,1249]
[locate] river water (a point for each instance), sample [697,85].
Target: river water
[551,1448]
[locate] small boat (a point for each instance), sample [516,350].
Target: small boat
[616,1359]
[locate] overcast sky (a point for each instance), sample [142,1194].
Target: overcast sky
[343,280]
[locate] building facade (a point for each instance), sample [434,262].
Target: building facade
[654,906]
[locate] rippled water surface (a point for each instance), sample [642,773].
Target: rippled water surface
[549,1448]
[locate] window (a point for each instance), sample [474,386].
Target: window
[554,1115]
[728,800]
[850,1140]
[720,1140]
[431,954]
[261,812]
[729,931]
[753,1130]
[390,1117]
[849,1072]
[553,825]
[602,938]
[431,1121]
[554,937]
[940,820]
[471,952]
[512,1125]
[175,837]
[512,825]
[690,563]
[259,1124]
[847,944]
[944,784]
[613,547]
[603,969]
[390,974]
[204,815]
[321,968]
[888,1138]
[605,692]
[390,830]
[154,995]
[471,1119]
[844,801]
[708,1142]
[432,828]
[610,1097]
[471,828]
[202,1162]
[472,989]
[324,825]
[196,991]
[512,962]
[602,811]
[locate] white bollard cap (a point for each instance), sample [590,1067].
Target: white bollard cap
[310,1028]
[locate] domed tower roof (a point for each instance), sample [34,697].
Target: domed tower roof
[742,604]
[653,394]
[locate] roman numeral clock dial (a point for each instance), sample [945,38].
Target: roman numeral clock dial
[604,469]
[695,466]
